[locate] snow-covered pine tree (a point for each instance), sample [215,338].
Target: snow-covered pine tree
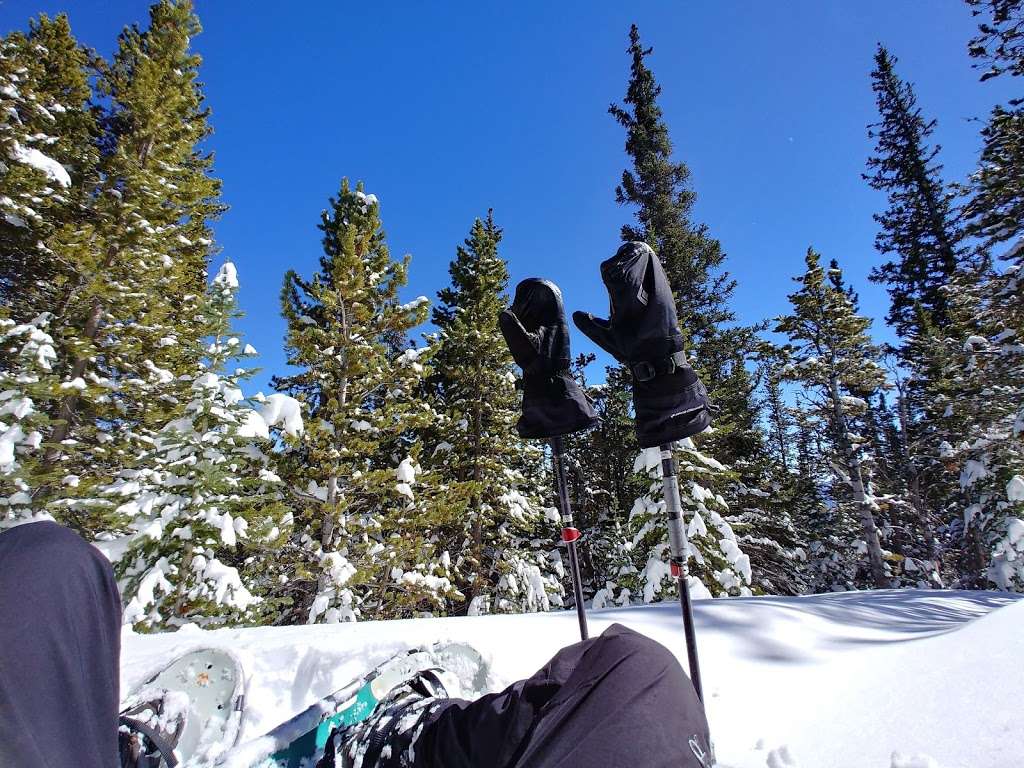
[126,308]
[761,497]
[48,150]
[365,524]
[659,189]
[831,356]
[921,234]
[829,533]
[27,379]
[203,496]
[990,453]
[602,483]
[495,484]
[47,159]
[989,366]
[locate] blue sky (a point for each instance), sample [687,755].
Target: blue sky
[445,110]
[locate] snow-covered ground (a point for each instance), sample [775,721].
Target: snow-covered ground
[884,679]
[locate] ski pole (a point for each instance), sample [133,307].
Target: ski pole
[678,544]
[570,533]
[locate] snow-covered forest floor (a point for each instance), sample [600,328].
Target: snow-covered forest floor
[883,679]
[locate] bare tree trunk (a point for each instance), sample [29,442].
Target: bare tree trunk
[853,468]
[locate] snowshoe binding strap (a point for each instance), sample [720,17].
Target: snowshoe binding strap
[133,750]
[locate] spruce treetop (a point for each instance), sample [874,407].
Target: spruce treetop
[919,227]
[660,190]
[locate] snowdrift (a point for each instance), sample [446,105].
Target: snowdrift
[883,679]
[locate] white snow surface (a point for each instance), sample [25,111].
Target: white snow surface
[883,679]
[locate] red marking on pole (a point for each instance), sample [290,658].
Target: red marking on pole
[570,534]
[676,570]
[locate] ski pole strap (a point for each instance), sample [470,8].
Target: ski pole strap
[570,534]
[645,370]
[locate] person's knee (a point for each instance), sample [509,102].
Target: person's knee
[630,644]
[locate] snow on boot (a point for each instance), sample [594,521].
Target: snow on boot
[537,335]
[387,737]
[642,331]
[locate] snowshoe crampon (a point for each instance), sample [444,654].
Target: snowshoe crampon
[191,710]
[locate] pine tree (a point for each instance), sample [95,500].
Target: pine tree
[203,495]
[996,209]
[27,379]
[830,556]
[125,304]
[999,44]
[364,520]
[494,481]
[832,357]
[659,189]
[761,497]
[918,228]
[717,565]
[602,483]
[47,139]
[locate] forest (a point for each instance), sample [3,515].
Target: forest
[383,477]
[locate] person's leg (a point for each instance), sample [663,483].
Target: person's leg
[60,641]
[620,699]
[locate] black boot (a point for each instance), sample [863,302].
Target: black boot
[388,736]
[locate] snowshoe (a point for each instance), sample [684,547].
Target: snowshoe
[190,709]
[303,740]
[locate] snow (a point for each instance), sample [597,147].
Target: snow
[975,341]
[885,679]
[406,471]
[1015,488]
[53,170]
[227,276]
[284,410]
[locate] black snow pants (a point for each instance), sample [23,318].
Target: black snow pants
[60,643]
[620,700]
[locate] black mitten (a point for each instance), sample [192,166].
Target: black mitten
[669,401]
[535,330]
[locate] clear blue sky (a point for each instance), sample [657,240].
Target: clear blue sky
[447,109]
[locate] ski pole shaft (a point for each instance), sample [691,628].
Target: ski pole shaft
[570,534]
[678,544]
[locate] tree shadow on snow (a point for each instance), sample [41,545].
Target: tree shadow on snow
[764,626]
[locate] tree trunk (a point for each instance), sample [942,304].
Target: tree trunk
[867,518]
[69,405]
[477,501]
[330,512]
